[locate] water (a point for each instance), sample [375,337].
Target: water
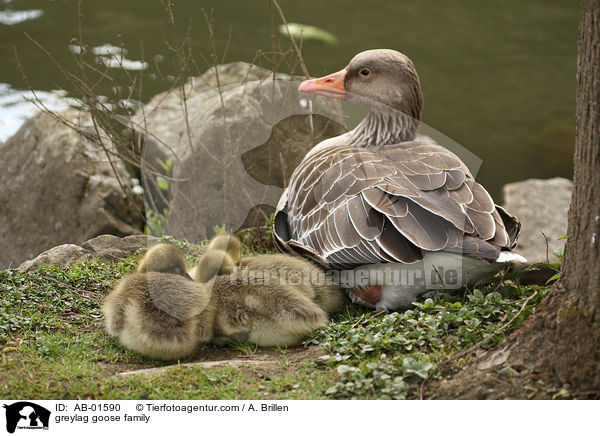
[498,77]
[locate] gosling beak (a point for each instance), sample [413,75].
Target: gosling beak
[329,86]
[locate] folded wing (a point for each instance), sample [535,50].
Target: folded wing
[351,206]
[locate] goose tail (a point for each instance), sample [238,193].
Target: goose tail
[510,257]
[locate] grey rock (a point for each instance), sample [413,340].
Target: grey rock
[62,256]
[236,148]
[58,188]
[542,207]
[108,248]
[164,121]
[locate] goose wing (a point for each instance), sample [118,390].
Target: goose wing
[350,206]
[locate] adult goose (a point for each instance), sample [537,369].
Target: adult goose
[377,199]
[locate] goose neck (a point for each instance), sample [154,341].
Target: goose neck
[384,127]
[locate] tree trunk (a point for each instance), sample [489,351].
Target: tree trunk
[581,269]
[560,344]
[579,316]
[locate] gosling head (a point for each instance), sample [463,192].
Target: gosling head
[214,263]
[164,258]
[228,243]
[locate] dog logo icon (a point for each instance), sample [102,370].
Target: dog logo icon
[26,415]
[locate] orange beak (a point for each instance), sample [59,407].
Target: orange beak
[329,86]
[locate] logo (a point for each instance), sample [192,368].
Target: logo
[26,415]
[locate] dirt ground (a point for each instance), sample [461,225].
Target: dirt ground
[267,361]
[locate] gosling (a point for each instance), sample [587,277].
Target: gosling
[227,243]
[306,277]
[252,307]
[157,311]
[262,311]
[224,252]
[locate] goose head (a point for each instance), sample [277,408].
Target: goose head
[387,84]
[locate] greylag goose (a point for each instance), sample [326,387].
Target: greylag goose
[403,215]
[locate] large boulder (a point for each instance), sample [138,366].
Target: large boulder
[231,148]
[57,188]
[541,206]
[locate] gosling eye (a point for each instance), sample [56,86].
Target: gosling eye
[364,72]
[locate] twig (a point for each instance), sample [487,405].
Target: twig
[359,320]
[547,247]
[462,353]
[248,229]
[503,273]
[162,369]
[297,49]
[299,55]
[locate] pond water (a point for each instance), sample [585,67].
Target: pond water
[498,76]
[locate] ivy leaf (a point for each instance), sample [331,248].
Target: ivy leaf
[413,366]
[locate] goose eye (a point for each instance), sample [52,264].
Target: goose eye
[364,72]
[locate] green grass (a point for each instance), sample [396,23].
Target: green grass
[61,366]
[53,345]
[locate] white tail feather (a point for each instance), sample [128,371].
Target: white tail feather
[508,256]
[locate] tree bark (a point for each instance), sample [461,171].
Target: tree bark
[579,317]
[581,269]
[559,345]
